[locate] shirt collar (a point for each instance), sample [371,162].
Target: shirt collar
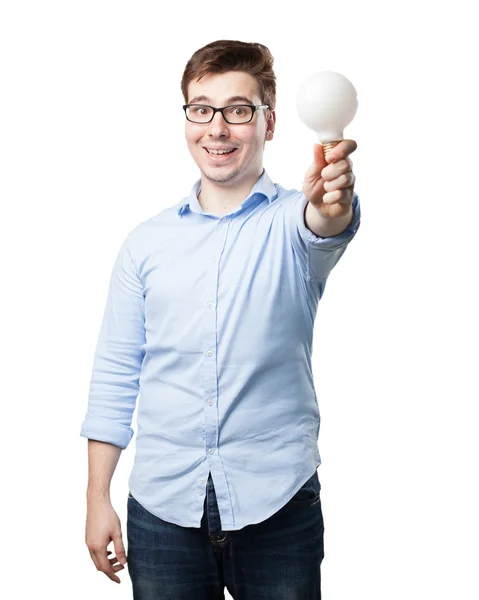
[264,186]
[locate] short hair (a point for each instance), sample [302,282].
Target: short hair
[232,55]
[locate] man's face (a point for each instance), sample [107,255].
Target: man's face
[218,89]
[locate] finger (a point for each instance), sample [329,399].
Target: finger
[112,560]
[344,181]
[110,573]
[93,557]
[117,568]
[102,564]
[114,577]
[339,197]
[332,197]
[342,150]
[113,563]
[335,170]
[119,548]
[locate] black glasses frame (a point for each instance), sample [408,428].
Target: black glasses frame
[255,107]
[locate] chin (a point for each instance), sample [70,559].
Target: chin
[220,177]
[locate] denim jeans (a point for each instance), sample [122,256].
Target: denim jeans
[277,559]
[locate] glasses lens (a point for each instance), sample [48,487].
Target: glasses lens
[234,114]
[199,114]
[238,113]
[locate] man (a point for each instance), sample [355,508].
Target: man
[210,312]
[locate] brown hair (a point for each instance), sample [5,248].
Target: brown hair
[232,55]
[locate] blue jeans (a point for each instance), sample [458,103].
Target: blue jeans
[277,559]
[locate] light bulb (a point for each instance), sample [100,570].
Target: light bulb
[326,103]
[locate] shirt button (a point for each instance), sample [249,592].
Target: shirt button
[210,304]
[209,353]
[212,450]
[213,260]
[223,220]
[210,401]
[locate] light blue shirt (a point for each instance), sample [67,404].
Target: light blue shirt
[210,320]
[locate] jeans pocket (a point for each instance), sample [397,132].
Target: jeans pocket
[308,494]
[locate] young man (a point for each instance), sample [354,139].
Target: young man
[210,312]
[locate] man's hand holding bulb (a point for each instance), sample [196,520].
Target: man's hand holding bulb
[329,186]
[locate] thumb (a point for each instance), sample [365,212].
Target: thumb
[319,159]
[313,172]
[119,549]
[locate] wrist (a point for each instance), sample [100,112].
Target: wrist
[97,493]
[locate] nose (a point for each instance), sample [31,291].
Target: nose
[218,126]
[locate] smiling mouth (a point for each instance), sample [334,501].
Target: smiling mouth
[221,154]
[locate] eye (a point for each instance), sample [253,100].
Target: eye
[200,110]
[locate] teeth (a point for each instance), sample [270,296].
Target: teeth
[220,151]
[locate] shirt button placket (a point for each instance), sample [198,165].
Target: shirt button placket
[209,375]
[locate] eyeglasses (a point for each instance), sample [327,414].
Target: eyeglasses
[235,114]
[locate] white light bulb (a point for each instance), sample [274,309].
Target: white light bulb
[327,102]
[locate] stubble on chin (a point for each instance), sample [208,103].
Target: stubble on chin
[221,178]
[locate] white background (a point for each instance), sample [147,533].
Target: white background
[92,143]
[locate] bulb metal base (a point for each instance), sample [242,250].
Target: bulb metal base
[328,146]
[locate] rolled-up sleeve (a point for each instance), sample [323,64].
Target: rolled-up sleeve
[317,256]
[118,357]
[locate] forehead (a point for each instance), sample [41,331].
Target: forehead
[218,88]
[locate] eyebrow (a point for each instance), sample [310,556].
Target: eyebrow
[232,99]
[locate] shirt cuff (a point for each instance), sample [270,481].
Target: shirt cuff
[335,241]
[105,430]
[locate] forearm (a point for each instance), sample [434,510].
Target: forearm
[102,460]
[323,227]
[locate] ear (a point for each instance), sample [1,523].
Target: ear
[270,125]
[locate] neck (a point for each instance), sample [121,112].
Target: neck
[220,198]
